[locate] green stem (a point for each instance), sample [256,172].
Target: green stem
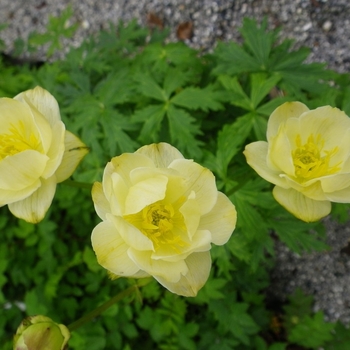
[94,313]
[78,184]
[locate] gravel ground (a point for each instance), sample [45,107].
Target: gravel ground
[322,25]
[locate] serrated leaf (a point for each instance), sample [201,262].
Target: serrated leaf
[115,89]
[230,141]
[233,59]
[174,79]
[235,320]
[282,58]
[260,127]
[261,86]
[152,117]
[296,235]
[258,40]
[147,86]
[341,338]
[183,131]
[239,246]
[312,332]
[196,98]
[115,125]
[237,96]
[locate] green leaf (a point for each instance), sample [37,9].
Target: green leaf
[183,131]
[341,338]
[233,59]
[235,319]
[237,96]
[147,86]
[258,40]
[196,98]
[115,125]
[311,332]
[174,79]
[261,86]
[296,234]
[211,290]
[239,246]
[260,127]
[230,141]
[34,304]
[90,260]
[152,117]
[116,88]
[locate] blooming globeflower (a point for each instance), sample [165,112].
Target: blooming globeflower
[307,157]
[160,214]
[36,153]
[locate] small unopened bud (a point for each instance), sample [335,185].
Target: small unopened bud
[40,333]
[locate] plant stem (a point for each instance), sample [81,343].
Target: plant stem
[94,313]
[78,184]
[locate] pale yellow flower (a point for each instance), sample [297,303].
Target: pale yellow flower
[40,333]
[160,214]
[307,157]
[36,153]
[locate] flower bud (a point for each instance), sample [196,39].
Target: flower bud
[40,333]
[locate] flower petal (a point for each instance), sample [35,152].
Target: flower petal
[132,236]
[162,154]
[198,179]
[302,207]
[331,123]
[280,153]
[199,265]
[9,196]
[74,152]
[281,114]
[191,214]
[220,221]
[341,196]
[111,250]
[33,208]
[56,150]
[256,155]
[201,242]
[14,112]
[336,182]
[21,170]
[171,271]
[144,193]
[43,101]
[101,204]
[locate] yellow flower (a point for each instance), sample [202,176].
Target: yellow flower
[160,214]
[36,153]
[40,333]
[307,157]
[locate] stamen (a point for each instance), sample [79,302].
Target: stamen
[311,161]
[17,140]
[157,221]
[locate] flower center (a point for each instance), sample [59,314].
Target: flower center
[311,161]
[161,223]
[17,140]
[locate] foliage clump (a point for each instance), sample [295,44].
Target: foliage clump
[125,88]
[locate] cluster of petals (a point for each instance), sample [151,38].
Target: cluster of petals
[160,213]
[307,157]
[36,153]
